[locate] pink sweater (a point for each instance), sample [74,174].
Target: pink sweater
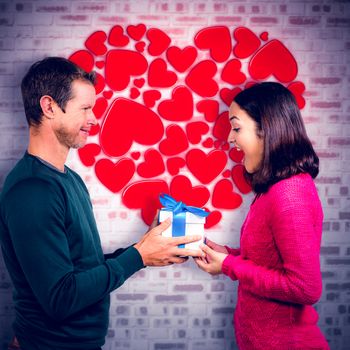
[278,269]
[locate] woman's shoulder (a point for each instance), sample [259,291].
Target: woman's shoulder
[300,186]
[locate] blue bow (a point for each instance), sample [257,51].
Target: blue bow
[170,204]
[179,210]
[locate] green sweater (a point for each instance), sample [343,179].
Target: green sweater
[53,253]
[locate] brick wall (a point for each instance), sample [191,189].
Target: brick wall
[180,307]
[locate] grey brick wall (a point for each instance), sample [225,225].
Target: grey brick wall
[180,307]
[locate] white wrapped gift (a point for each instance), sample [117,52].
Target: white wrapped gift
[194,225]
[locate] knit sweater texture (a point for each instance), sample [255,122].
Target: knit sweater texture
[53,253]
[278,269]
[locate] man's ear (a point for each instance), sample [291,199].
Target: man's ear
[48,105]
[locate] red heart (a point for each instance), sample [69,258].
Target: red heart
[135,155]
[174,165]
[117,38]
[96,43]
[224,197]
[134,93]
[150,97]
[121,65]
[195,131]
[297,88]
[238,178]
[117,133]
[212,219]
[176,141]
[94,130]
[100,107]
[217,40]
[181,189]
[208,143]
[83,59]
[139,82]
[200,79]
[206,167]
[153,164]
[232,73]
[273,59]
[136,32]
[247,42]
[159,41]
[145,195]
[100,83]
[140,46]
[88,153]
[183,59]
[210,108]
[236,155]
[159,76]
[108,94]
[100,64]
[264,36]
[227,95]
[180,107]
[217,144]
[226,173]
[115,176]
[225,146]
[222,127]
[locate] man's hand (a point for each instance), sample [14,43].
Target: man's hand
[157,250]
[212,263]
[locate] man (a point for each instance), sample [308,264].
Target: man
[49,238]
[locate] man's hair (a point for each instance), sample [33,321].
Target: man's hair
[52,76]
[287,148]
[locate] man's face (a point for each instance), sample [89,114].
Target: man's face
[72,127]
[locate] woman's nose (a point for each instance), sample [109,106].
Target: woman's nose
[231,137]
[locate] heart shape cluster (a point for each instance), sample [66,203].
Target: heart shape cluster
[163,112]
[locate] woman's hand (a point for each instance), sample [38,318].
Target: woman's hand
[212,263]
[217,247]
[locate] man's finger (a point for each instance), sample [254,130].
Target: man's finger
[161,227]
[179,260]
[186,239]
[188,252]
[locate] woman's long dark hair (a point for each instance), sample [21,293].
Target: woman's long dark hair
[287,148]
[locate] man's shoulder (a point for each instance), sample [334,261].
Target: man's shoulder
[27,171]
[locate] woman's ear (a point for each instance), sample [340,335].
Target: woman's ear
[47,105]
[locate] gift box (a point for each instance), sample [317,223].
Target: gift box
[185,220]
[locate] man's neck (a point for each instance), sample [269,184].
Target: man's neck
[47,148]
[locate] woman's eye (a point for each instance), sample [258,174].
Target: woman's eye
[235,129]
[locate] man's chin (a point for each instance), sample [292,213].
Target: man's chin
[78,145]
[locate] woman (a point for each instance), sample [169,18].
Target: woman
[277,265]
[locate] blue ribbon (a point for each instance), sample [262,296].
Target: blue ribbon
[179,210]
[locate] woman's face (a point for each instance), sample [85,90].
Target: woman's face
[244,136]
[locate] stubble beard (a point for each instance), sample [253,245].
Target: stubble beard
[69,140]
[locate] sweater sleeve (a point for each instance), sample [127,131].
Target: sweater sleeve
[35,218]
[233,251]
[298,243]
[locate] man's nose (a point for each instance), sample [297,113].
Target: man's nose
[92,120]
